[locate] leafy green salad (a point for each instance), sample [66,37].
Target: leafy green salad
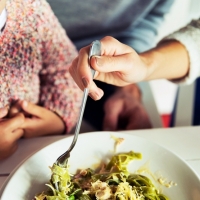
[110,181]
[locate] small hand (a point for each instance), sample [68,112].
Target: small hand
[16,108]
[39,120]
[124,110]
[10,132]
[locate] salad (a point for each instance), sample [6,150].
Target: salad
[110,181]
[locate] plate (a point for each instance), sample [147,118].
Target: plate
[30,177]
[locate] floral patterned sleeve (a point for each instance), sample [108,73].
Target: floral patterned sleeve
[58,91]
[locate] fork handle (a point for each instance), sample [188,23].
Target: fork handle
[95,49]
[84,100]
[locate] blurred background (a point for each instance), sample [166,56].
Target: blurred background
[164,92]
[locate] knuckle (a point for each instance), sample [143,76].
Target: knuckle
[109,38]
[74,63]
[71,70]
[111,61]
[82,51]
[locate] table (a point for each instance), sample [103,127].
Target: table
[183,141]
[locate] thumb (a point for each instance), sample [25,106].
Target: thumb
[114,56]
[112,110]
[105,64]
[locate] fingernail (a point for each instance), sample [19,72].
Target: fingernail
[25,103]
[97,94]
[99,60]
[100,93]
[94,95]
[85,82]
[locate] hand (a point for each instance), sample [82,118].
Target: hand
[39,121]
[118,64]
[124,110]
[10,132]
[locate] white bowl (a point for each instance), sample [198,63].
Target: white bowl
[30,177]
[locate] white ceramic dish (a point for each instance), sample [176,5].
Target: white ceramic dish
[29,178]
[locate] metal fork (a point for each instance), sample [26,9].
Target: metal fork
[62,160]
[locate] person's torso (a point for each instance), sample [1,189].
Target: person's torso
[21,47]
[85,19]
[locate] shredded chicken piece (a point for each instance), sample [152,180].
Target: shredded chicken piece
[101,190]
[127,192]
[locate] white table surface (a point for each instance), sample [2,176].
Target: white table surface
[183,141]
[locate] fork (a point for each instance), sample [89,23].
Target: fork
[62,160]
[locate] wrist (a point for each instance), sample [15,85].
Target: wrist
[150,59]
[169,60]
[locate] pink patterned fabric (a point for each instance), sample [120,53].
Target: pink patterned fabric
[35,55]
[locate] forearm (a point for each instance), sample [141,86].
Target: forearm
[169,60]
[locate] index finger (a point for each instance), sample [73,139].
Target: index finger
[84,68]
[81,72]
[85,71]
